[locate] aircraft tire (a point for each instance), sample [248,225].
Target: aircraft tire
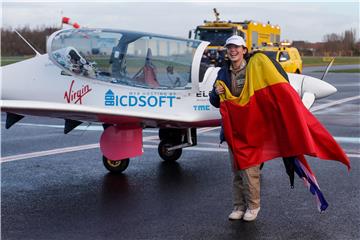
[168,156]
[116,166]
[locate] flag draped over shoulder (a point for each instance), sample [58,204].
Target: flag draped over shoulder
[269,120]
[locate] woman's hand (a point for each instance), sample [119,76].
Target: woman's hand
[219,90]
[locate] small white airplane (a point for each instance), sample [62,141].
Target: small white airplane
[127,81]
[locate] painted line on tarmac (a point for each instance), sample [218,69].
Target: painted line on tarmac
[48,152]
[333,103]
[96,145]
[88,147]
[56,151]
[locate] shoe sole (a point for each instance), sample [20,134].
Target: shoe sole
[249,220]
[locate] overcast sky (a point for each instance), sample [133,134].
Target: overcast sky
[298,21]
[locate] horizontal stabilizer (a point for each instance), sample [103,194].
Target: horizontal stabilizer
[11,119]
[70,125]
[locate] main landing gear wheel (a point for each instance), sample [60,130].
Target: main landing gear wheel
[168,156]
[116,166]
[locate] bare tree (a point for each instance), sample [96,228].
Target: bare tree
[349,41]
[13,45]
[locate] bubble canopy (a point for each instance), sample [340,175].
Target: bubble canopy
[128,58]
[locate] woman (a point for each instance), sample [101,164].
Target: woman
[246,182]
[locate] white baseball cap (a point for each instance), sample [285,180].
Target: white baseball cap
[236,40]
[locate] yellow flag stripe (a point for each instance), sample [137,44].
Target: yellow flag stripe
[260,73]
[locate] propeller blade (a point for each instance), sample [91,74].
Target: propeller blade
[308,99]
[328,68]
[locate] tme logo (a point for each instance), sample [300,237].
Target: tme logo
[76,96]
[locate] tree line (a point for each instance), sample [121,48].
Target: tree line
[13,45]
[344,44]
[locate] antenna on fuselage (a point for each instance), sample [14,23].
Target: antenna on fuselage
[37,53]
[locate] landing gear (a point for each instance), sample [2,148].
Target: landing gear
[116,166]
[173,140]
[168,155]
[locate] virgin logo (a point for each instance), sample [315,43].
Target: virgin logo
[76,96]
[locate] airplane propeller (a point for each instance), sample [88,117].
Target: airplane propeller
[308,97]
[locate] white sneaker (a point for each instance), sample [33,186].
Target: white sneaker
[236,214]
[251,214]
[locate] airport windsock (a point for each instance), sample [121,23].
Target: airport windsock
[269,120]
[67,20]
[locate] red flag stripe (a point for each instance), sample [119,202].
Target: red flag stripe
[273,124]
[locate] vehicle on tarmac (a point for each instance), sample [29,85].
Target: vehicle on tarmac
[216,32]
[126,81]
[288,57]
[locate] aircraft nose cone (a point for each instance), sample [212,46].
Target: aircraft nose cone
[318,87]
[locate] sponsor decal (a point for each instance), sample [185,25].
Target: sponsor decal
[138,100]
[201,107]
[76,95]
[202,94]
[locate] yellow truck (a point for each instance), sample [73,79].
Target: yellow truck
[255,34]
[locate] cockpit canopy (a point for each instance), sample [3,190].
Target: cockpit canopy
[128,58]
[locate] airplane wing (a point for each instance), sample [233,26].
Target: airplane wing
[98,114]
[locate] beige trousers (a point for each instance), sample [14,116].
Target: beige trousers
[246,186]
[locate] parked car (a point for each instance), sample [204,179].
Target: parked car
[288,57]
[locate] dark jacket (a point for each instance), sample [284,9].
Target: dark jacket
[224,75]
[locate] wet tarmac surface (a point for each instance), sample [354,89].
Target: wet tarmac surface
[72,196]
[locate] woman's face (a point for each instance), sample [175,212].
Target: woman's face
[235,53]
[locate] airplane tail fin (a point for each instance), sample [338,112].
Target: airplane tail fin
[36,52]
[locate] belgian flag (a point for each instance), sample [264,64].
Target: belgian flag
[268,120]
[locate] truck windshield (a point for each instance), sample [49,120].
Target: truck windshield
[216,37]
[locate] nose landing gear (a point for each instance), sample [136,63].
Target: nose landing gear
[166,154]
[173,140]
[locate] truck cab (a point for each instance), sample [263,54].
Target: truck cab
[216,32]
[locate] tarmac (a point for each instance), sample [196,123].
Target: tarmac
[54,191]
